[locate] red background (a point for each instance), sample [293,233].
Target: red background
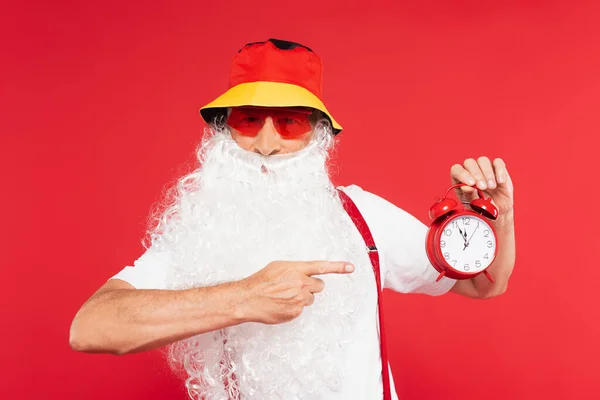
[99,110]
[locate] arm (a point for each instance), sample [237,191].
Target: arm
[480,287]
[120,319]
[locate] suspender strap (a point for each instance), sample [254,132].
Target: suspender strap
[363,228]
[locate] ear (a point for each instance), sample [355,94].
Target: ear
[315,117]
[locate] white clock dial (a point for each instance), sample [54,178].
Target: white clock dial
[468,244]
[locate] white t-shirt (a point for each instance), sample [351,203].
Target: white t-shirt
[404,266]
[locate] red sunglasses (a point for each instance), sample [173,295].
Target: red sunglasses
[289,122]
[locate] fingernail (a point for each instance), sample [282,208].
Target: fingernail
[491,184]
[349,267]
[500,179]
[481,185]
[470,181]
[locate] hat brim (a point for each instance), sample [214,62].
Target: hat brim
[266,94]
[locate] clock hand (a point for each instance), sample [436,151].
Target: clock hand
[462,234]
[468,241]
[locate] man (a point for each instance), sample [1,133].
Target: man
[256,277]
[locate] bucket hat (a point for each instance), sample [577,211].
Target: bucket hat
[273,73]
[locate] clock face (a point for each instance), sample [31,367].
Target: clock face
[468,244]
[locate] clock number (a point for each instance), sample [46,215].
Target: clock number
[467,221]
[477,264]
[443,244]
[489,244]
[486,233]
[454,263]
[467,267]
[486,256]
[447,232]
[446,255]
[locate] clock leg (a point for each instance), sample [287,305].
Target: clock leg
[487,274]
[440,276]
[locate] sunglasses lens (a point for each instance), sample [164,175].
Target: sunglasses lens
[289,123]
[292,124]
[247,121]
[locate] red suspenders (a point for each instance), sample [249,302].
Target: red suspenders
[363,228]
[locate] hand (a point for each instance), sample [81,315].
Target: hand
[279,292]
[491,177]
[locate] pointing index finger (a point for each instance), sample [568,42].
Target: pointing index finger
[325,267]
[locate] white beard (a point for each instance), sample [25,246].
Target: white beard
[231,221]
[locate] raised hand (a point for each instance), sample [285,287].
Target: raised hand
[491,177]
[279,292]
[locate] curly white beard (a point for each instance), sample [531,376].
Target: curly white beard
[233,216]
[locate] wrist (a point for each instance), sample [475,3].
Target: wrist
[222,302]
[239,302]
[506,219]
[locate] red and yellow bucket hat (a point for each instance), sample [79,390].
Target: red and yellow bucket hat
[273,73]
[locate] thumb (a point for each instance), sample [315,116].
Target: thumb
[467,193]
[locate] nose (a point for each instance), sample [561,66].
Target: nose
[268,141]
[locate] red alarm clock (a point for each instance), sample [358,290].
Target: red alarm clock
[461,243]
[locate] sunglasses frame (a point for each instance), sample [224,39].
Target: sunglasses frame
[272,112]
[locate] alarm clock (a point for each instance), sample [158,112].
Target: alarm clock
[461,243]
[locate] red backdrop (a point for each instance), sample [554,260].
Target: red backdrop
[99,110]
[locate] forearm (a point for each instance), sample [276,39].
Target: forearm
[502,267]
[128,320]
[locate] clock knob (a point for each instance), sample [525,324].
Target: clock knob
[485,207]
[442,207]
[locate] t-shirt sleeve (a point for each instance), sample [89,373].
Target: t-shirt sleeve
[400,240]
[149,271]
